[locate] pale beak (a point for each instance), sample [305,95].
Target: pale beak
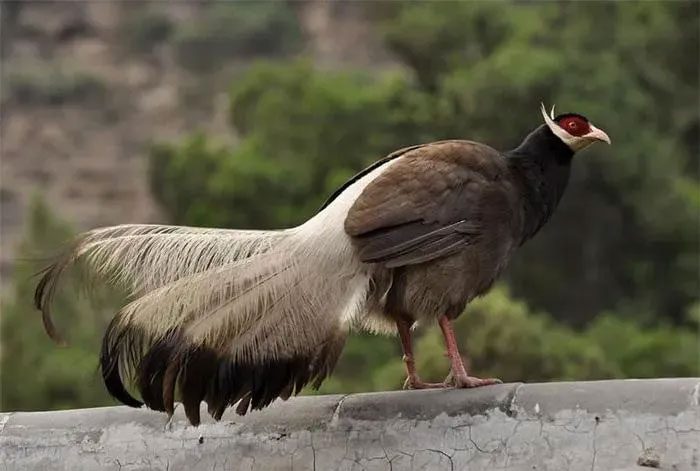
[597,134]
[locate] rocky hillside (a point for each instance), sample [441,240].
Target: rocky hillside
[87,86]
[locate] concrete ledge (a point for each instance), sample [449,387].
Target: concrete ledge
[603,425]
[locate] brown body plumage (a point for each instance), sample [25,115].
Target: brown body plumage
[456,215]
[240,318]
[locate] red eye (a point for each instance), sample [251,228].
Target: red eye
[574,125]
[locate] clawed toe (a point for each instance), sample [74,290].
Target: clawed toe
[473,382]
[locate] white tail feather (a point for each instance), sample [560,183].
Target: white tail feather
[145,257]
[249,294]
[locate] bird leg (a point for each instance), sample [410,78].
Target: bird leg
[460,378]
[412,381]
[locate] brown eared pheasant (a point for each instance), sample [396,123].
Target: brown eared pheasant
[242,317]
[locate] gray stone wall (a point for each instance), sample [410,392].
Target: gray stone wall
[604,425]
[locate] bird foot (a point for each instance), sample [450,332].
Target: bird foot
[415,383]
[464,381]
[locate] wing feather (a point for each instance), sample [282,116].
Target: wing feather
[428,205]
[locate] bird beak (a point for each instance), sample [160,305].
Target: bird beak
[597,135]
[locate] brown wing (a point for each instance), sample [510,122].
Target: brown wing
[430,203]
[365,171]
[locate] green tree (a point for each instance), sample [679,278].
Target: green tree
[303,134]
[37,374]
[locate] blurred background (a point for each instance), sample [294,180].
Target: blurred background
[248,114]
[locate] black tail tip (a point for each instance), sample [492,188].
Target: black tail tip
[42,300]
[51,330]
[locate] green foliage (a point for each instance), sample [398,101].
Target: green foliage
[36,374]
[626,235]
[283,169]
[644,353]
[432,38]
[368,363]
[235,30]
[193,164]
[504,338]
[631,215]
[52,85]
[501,337]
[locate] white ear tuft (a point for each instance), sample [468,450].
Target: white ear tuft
[551,113]
[567,138]
[549,121]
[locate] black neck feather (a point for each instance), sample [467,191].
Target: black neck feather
[541,165]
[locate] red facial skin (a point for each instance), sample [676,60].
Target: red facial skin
[574,125]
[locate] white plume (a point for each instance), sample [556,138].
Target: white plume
[262,294]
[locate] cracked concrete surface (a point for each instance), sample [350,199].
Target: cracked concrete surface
[603,425]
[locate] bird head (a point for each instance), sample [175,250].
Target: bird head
[573,129]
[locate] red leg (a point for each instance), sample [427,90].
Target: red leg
[412,381]
[459,373]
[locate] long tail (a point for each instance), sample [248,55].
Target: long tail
[228,317]
[142,258]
